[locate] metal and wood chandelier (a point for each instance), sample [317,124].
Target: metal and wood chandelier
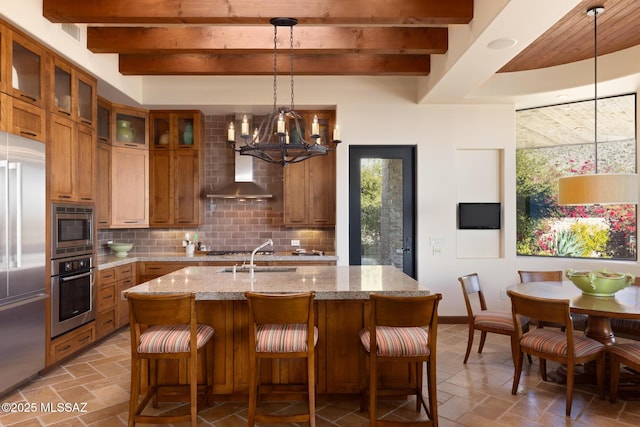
[604,188]
[282,136]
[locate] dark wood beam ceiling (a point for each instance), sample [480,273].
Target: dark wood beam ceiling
[333,37]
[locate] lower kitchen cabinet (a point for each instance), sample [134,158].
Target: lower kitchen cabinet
[72,342]
[112,311]
[125,278]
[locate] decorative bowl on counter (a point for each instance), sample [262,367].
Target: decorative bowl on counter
[120,250]
[600,283]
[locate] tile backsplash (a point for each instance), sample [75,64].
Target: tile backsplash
[229,224]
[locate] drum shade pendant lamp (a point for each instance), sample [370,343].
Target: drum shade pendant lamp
[282,136]
[604,188]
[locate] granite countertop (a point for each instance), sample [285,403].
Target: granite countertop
[109,261]
[329,282]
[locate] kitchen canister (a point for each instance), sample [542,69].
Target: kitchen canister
[164,138]
[187,135]
[124,131]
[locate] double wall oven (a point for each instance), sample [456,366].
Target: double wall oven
[72,269]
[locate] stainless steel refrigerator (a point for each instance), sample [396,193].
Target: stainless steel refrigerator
[22,259]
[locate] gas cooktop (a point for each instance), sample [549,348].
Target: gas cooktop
[238,252]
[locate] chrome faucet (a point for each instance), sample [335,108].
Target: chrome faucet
[253,253]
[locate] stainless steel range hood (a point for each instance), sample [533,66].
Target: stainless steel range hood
[243,187]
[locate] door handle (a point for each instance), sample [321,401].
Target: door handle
[17,186]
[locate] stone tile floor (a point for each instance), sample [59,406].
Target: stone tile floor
[475,395]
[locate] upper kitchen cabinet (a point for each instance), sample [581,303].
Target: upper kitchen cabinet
[24,68]
[176,168]
[129,188]
[129,127]
[73,92]
[71,151]
[310,186]
[23,118]
[104,121]
[3,59]
[172,130]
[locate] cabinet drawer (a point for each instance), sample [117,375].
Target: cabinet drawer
[124,272]
[106,296]
[107,276]
[106,322]
[72,342]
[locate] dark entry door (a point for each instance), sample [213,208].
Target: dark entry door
[382,206]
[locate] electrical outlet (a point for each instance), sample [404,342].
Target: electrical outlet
[295,243]
[437,251]
[503,294]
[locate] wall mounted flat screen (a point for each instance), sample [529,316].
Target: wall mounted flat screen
[479,216]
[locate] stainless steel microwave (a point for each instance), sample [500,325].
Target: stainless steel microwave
[71,230]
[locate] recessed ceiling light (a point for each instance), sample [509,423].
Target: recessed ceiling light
[502,43]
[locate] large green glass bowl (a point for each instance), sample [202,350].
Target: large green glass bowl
[599,283]
[121,250]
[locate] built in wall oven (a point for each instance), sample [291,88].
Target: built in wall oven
[72,293]
[71,230]
[72,276]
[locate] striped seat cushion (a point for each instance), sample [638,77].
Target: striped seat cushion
[553,341]
[397,341]
[494,319]
[283,338]
[628,351]
[172,338]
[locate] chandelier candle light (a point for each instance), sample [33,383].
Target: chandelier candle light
[604,188]
[281,136]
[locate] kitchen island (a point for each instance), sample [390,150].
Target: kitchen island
[342,294]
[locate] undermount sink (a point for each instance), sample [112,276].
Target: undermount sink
[259,269]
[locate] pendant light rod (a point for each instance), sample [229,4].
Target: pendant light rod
[595,11]
[597,189]
[283,136]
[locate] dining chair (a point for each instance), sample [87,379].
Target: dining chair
[627,354]
[165,327]
[552,344]
[579,320]
[401,329]
[281,326]
[625,327]
[494,321]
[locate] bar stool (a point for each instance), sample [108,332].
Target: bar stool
[401,329]
[281,327]
[165,327]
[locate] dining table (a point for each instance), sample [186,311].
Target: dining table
[600,309]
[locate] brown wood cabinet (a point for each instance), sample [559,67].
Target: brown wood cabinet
[22,79]
[310,186]
[23,118]
[106,317]
[129,188]
[103,186]
[24,68]
[72,93]
[129,127]
[71,150]
[176,169]
[72,342]
[125,278]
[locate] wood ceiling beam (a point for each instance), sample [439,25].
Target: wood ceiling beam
[326,12]
[259,39]
[262,64]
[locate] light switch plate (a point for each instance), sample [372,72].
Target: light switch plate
[295,243]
